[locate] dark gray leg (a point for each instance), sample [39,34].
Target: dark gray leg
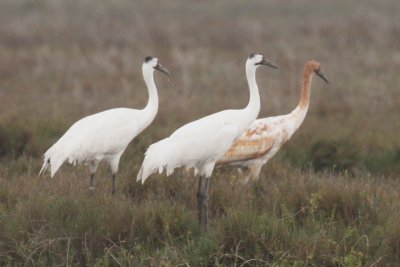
[204,203]
[91,187]
[113,185]
[199,199]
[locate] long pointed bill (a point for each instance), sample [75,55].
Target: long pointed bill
[320,74]
[268,63]
[162,69]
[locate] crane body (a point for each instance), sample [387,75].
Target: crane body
[105,135]
[199,144]
[263,139]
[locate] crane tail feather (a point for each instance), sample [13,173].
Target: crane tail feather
[157,158]
[53,162]
[45,167]
[140,176]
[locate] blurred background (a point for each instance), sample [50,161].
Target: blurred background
[63,60]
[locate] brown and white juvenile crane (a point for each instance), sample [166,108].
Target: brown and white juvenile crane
[262,140]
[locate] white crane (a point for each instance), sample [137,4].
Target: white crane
[105,135]
[199,144]
[265,137]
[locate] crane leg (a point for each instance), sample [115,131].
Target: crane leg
[246,178]
[255,171]
[199,199]
[204,203]
[91,187]
[113,185]
[114,162]
[93,167]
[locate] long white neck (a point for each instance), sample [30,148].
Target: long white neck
[152,104]
[253,107]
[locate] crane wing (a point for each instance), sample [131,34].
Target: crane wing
[91,138]
[196,144]
[255,142]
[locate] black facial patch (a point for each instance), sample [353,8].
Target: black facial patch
[253,55]
[147,59]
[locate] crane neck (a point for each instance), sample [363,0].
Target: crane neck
[301,110]
[254,103]
[152,104]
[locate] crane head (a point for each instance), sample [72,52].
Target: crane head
[316,66]
[257,60]
[152,62]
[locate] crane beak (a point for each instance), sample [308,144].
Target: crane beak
[162,69]
[320,74]
[268,63]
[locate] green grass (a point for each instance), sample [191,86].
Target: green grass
[330,197]
[291,218]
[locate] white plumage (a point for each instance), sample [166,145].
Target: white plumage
[200,143]
[105,135]
[190,145]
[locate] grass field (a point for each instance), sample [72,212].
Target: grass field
[331,197]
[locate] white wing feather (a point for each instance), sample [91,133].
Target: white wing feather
[217,130]
[91,139]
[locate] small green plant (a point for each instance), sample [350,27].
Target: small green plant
[354,259]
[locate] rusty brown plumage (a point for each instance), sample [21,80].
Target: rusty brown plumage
[245,149]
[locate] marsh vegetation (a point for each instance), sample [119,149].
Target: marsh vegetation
[330,197]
